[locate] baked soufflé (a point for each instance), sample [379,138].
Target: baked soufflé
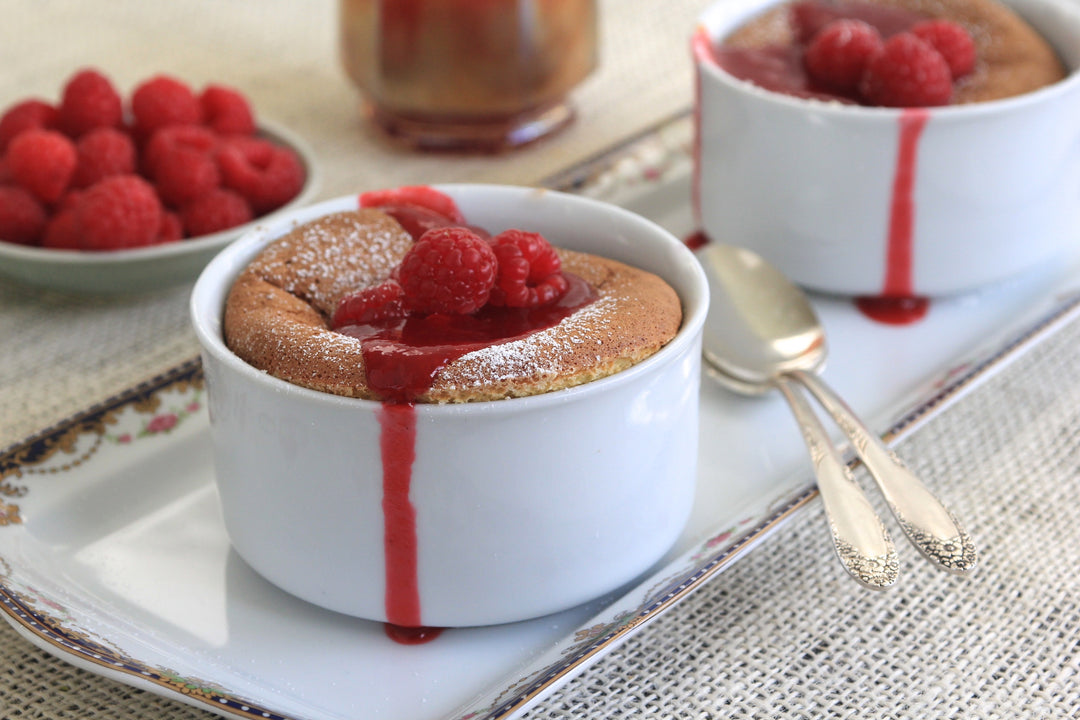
[403,301]
[894,53]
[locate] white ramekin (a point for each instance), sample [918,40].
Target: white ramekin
[523,506]
[811,185]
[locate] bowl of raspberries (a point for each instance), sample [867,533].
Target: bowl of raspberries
[105,193]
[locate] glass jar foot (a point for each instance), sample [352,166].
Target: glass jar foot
[475,135]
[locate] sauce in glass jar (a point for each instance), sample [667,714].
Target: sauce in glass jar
[474,75]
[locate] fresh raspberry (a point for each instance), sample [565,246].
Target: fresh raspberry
[416,220]
[448,270]
[26,115]
[226,110]
[267,175]
[215,211]
[907,73]
[69,200]
[62,231]
[419,195]
[42,161]
[162,101]
[378,305]
[808,17]
[952,41]
[838,54]
[184,174]
[194,137]
[89,101]
[530,272]
[171,228]
[256,149]
[103,152]
[22,217]
[121,211]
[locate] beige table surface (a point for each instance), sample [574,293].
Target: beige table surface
[783,634]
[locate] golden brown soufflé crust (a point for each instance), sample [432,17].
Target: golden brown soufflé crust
[277,317]
[1012,58]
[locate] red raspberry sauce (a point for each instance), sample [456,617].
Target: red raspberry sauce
[897,304]
[779,68]
[398,444]
[402,361]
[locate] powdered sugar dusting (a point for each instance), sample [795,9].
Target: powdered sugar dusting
[336,254]
[541,354]
[277,317]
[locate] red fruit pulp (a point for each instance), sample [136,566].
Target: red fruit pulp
[780,68]
[402,360]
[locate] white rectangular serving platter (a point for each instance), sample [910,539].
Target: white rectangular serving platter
[113,555]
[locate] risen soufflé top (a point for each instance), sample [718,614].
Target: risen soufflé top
[978,50]
[333,306]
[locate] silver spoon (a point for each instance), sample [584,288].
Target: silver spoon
[761,333]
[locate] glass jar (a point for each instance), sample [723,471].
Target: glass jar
[480,75]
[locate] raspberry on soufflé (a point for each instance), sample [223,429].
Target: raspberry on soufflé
[907,73]
[353,304]
[375,305]
[448,270]
[838,54]
[529,270]
[951,41]
[812,49]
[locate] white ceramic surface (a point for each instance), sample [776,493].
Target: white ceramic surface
[121,563]
[809,185]
[542,502]
[149,268]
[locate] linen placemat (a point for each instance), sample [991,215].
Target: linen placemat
[782,634]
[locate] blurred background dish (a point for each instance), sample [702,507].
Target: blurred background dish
[902,203]
[467,76]
[152,267]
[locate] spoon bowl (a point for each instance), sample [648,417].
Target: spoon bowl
[759,324]
[762,334]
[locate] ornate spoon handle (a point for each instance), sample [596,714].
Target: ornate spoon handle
[863,544]
[930,526]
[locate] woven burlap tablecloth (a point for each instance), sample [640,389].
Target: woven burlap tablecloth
[783,633]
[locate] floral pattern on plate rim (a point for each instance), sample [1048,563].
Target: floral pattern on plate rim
[123,419]
[65,446]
